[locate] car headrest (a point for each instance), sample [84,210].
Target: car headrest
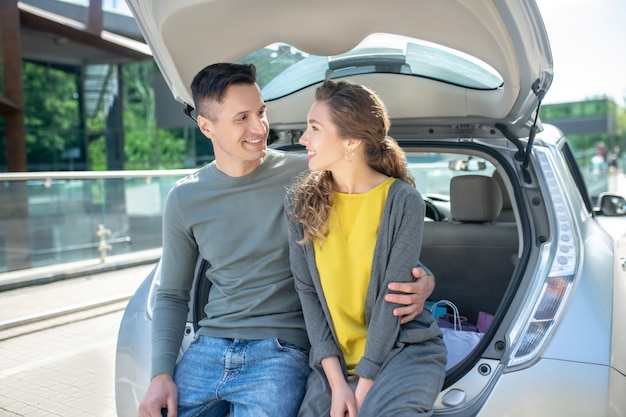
[475,198]
[506,201]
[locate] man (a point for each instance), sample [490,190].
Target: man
[251,352]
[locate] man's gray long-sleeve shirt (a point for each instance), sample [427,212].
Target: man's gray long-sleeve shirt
[238,225]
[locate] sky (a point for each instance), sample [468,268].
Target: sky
[588,42]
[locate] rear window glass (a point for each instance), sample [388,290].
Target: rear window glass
[434,171]
[282,69]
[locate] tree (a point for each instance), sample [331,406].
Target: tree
[51,117]
[147,147]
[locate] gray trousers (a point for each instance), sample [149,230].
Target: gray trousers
[407,385]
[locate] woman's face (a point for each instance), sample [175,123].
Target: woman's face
[325,148]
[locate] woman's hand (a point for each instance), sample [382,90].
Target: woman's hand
[343,402]
[362,388]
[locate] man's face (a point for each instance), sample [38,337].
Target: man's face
[239,129]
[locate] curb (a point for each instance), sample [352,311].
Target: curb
[48,274]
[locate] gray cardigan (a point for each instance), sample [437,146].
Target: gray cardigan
[396,252]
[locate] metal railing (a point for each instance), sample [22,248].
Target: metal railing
[48,218]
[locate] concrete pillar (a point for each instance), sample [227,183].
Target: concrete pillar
[14,218]
[13,99]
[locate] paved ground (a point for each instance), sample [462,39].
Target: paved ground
[65,371]
[65,366]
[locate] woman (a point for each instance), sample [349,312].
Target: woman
[355,222]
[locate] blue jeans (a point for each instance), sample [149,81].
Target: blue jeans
[248,378]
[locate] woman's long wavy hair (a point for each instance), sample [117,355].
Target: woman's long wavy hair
[359,113]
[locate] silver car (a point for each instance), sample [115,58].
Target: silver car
[511,233]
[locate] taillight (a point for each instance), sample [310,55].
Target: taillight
[558,264]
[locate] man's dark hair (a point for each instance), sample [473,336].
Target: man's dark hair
[212,81]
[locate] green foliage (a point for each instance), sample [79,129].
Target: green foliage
[97,154]
[597,107]
[585,146]
[51,116]
[97,143]
[159,149]
[53,121]
[145,146]
[271,62]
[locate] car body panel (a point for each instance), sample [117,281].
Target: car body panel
[555,388]
[134,365]
[618,331]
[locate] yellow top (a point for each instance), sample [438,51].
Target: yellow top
[344,263]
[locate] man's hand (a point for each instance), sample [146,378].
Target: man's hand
[162,393]
[415,294]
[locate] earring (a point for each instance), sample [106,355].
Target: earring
[349,155]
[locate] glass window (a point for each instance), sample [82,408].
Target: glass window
[434,171]
[283,69]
